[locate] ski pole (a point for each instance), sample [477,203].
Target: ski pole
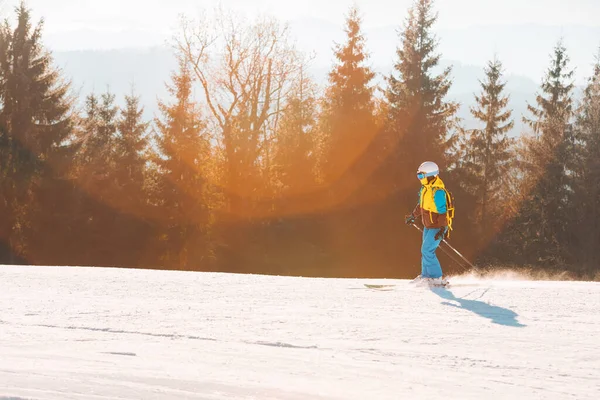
[449,245]
[460,255]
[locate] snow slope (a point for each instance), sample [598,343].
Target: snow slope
[95,333]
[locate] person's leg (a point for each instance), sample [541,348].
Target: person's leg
[430,264]
[423,263]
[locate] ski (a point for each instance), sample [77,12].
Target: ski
[371,286]
[430,284]
[419,283]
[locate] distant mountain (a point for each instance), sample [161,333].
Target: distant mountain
[147,71]
[95,39]
[525,51]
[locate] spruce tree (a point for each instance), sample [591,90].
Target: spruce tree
[348,119]
[587,191]
[348,124]
[539,233]
[486,160]
[96,174]
[417,128]
[184,157]
[35,122]
[98,164]
[420,117]
[295,156]
[131,144]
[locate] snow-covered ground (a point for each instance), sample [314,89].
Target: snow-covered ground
[95,333]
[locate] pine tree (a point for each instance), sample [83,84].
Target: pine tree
[348,125]
[131,144]
[419,116]
[184,163]
[486,160]
[348,118]
[539,233]
[417,128]
[587,191]
[98,162]
[295,156]
[96,173]
[35,121]
[552,114]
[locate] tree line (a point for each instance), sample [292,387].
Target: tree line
[251,167]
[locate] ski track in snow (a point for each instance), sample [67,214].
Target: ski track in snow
[95,333]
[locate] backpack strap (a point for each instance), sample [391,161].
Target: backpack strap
[450,210]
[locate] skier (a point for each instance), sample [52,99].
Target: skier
[434,210]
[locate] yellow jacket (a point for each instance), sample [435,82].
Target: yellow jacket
[432,207]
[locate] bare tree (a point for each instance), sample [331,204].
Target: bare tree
[246,70]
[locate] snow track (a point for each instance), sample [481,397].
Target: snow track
[95,333]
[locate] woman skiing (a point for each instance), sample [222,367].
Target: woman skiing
[436,212]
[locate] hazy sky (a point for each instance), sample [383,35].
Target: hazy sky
[106,24]
[159,15]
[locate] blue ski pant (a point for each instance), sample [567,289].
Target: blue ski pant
[430,265]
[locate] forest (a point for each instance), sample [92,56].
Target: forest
[251,167]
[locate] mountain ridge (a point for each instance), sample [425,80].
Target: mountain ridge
[149,67]
[148,70]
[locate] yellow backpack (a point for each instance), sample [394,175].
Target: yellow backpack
[449,207]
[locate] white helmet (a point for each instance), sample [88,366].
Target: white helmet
[427,169]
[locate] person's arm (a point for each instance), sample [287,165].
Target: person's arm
[416,213]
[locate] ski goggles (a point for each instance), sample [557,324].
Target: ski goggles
[422,175]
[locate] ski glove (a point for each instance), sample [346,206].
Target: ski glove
[441,234]
[410,219]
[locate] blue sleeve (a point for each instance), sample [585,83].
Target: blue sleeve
[440,201]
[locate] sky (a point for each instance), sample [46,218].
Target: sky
[471,30]
[160,15]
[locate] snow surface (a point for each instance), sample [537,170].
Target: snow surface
[96,333]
